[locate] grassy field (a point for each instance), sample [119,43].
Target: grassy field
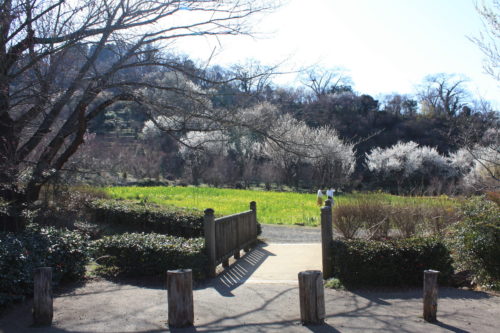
[272,207]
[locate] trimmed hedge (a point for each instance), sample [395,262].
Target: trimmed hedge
[20,253]
[390,263]
[142,217]
[137,254]
[476,241]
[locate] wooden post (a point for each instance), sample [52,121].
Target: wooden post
[253,208]
[312,298]
[42,297]
[430,295]
[209,229]
[225,263]
[326,239]
[180,298]
[328,202]
[237,254]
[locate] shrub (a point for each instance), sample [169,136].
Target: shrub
[346,220]
[63,250]
[494,196]
[375,216]
[150,254]
[439,218]
[406,219]
[146,217]
[61,206]
[389,263]
[476,241]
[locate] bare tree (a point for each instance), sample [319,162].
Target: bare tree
[64,62]
[400,105]
[489,40]
[443,94]
[324,81]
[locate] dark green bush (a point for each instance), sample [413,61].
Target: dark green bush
[390,263]
[146,217]
[150,254]
[476,241]
[20,253]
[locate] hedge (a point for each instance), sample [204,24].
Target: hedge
[65,251]
[144,254]
[390,263]
[476,241]
[142,217]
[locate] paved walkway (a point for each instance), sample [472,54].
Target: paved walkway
[259,294]
[290,234]
[274,263]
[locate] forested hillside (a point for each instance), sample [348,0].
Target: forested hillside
[332,132]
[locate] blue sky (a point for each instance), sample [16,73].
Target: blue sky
[386,45]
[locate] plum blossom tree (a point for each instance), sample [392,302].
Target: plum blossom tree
[295,144]
[409,164]
[482,161]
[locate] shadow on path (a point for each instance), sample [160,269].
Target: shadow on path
[240,271]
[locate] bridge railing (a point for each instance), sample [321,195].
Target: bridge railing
[227,236]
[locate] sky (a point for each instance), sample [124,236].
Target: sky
[385,45]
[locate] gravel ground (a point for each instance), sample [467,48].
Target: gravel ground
[103,306]
[290,234]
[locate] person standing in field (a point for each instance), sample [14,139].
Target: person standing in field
[329,194]
[320,198]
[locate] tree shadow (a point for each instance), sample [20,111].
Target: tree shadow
[324,328]
[450,328]
[380,295]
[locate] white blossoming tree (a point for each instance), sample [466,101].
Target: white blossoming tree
[295,145]
[406,166]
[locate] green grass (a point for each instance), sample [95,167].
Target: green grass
[272,207]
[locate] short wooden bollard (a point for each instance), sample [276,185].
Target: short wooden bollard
[430,295]
[180,298]
[312,298]
[42,297]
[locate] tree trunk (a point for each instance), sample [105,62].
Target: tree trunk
[11,219]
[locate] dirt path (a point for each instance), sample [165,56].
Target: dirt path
[102,306]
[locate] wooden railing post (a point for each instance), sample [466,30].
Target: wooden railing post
[326,239]
[180,298]
[237,234]
[253,207]
[329,203]
[430,295]
[42,297]
[312,298]
[253,224]
[209,229]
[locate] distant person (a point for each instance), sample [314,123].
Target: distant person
[320,198]
[329,193]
